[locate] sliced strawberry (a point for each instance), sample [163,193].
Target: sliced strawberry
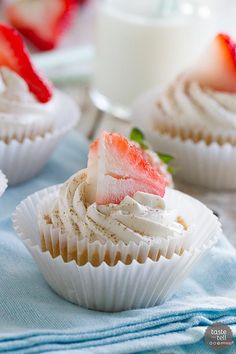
[117,168]
[160,166]
[42,21]
[82,2]
[15,56]
[216,68]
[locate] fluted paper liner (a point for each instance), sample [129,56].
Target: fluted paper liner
[21,131]
[192,131]
[201,158]
[197,216]
[121,286]
[20,161]
[3,183]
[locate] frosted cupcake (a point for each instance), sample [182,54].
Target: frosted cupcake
[33,115]
[200,104]
[115,226]
[111,201]
[3,183]
[194,117]
[21,114]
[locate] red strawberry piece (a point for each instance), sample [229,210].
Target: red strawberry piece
[117,168]
[42,21]
[82,2]
[216,68]
[158,165]
[15,56]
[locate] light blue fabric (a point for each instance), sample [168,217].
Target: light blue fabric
[33,319]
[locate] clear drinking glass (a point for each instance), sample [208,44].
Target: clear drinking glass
[144,43]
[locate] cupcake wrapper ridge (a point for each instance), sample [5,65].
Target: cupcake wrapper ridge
[140,283]
[83,251]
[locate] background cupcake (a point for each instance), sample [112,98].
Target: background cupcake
[111,222]
[3,183]
[33,115]
[200,104]
[21,114]
[194,118]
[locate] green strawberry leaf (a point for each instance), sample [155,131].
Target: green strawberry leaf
[137,135]
[143,145]
[171,170]
[165,157]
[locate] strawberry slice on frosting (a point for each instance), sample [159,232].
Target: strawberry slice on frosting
[15,56]
[216,68]
[117,168]
[42,21]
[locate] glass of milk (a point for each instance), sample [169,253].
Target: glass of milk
[142,44]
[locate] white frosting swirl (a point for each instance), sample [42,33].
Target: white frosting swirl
[141,218]
[20,112]
[187,104]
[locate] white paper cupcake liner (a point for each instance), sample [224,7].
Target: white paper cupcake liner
[194,133]
[3,183]
[212,166]
[22,161]
[12,130]
[203,227]
[208,165]
[110,288]
[117,288]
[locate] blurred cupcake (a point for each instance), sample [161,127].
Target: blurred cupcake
[200,104]
[194,118]
[3,183]
[33,115]
[114,226]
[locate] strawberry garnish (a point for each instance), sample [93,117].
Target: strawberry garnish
[216,68]
[14,55]
[82,2]
[42,21]
[117,168]
[159,161]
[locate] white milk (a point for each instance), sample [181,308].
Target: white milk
[137,49]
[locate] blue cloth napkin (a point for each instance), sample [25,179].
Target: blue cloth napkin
[33,319]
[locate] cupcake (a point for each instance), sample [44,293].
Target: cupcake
[194,117]
[3,183]
[115,228]
[21,115]
[33,115]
